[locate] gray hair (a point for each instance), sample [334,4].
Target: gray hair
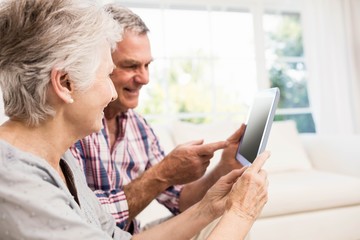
[37,36]
[127,19]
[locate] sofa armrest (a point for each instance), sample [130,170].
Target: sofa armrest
[334,153]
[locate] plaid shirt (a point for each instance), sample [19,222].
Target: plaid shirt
[135,150]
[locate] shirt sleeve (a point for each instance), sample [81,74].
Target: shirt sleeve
[170,197]
[115,203]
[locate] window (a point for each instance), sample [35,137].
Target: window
[209,63]
[286,67]
[203,69]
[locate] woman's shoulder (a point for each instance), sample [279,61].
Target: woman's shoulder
[12,155]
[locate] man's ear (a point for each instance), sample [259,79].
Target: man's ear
[62,85]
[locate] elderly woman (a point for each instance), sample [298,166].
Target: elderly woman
[55,62]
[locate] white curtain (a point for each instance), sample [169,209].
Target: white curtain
[352,12]
[331,38]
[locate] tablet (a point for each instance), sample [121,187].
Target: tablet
[258,125]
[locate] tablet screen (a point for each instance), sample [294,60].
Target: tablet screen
[258,125]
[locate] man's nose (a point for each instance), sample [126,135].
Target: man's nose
[143,76]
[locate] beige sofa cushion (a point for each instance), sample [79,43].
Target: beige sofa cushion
[210,132]
[312,190]
[287,151]
[165,137]
[332,224]
[334,153]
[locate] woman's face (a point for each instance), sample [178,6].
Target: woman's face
[88,106]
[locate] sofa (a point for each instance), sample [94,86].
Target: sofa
[314,190]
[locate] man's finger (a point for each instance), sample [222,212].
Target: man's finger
[210,148]
[235,137]
[260,161]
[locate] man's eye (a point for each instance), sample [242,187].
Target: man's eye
[131,67]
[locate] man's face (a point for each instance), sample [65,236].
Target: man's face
[131,58]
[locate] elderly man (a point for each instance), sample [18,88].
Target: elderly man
[124,163]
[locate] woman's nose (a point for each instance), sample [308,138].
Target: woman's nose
[113,91]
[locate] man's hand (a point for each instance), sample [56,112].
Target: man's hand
[228,161]
[187,162]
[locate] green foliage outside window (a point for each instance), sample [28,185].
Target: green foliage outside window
[287,37]
[285,42]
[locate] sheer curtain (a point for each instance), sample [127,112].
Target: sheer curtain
[331,36]
[353,12]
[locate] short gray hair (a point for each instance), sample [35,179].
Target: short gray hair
[128,20]
[37,36]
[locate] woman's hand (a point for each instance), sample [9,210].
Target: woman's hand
[215,199]
[244,202]
[249,193]
[243,191]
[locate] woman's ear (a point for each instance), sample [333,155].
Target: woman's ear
[62,85]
